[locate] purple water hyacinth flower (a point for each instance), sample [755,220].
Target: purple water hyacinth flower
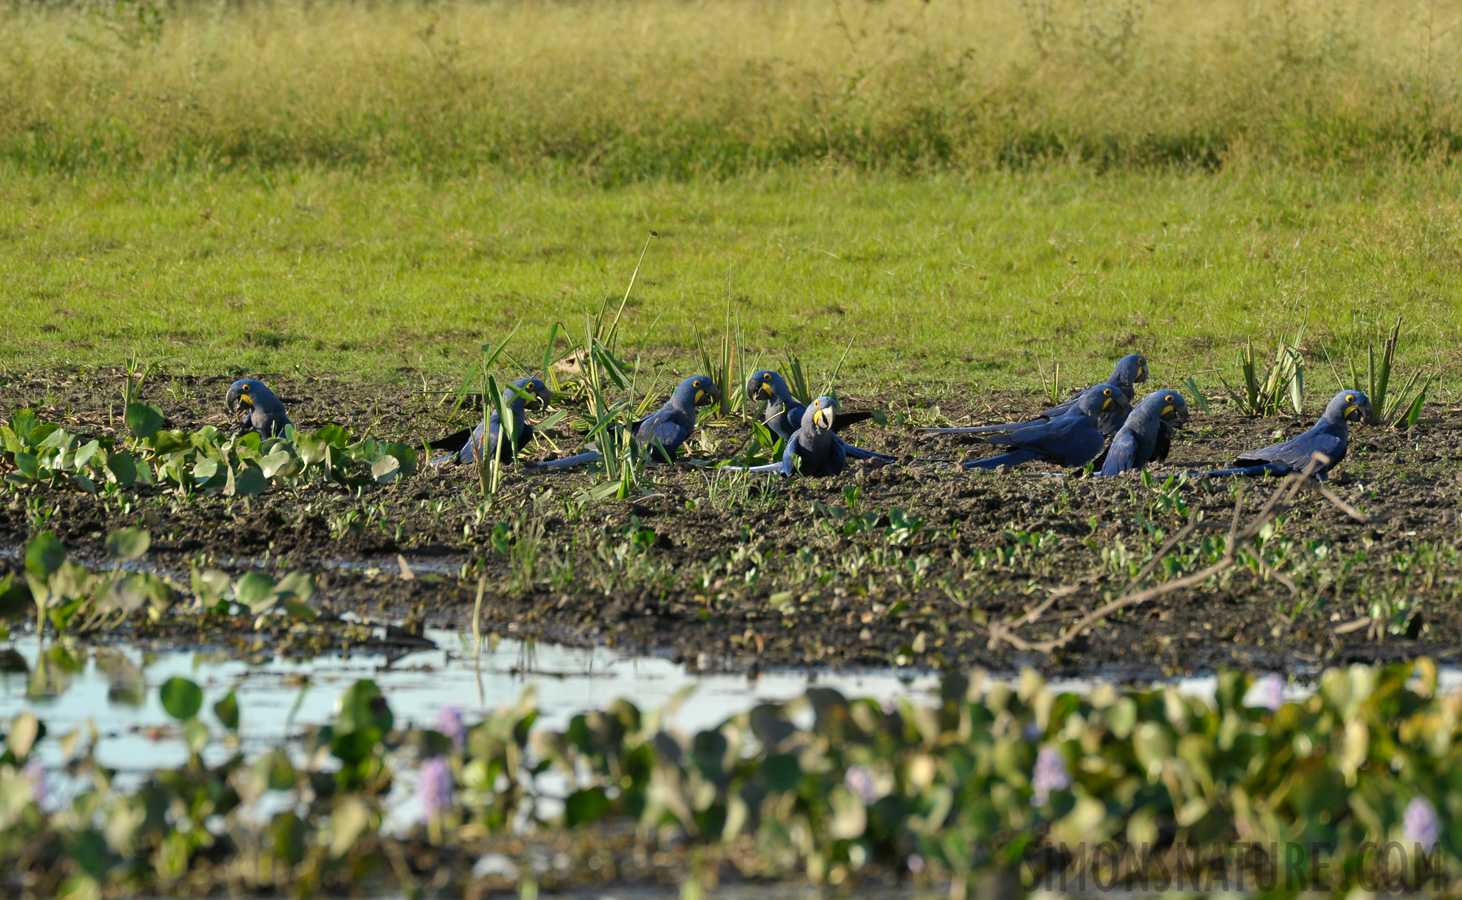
[915,863]
[434,787]
[449,723]
[40,787]
[1266,693]
[1420,823]
[1049,775]
[860,781]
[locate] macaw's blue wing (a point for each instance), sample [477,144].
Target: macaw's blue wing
[568,462]
[1294,455]
[1124,455]
[1071,440]
[662,432]
[1163,443]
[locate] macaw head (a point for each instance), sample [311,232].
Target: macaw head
[1130,370]
[823,410]
[246,393]
[1103,398]
[764,384]
[697,390]
[1171,406]
[531,391]
[1350,406]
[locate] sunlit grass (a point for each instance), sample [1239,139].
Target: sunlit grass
[647,88]
[965,280]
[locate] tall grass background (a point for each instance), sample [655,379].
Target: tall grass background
[665,88]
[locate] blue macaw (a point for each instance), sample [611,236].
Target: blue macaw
[1147,433]
[1329,437]
[259,410]
[784,413]
[1130,371]
[466,448]
[662,433]
[1070,439]
[813,449]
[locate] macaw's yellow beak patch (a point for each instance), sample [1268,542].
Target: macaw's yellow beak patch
[699,395]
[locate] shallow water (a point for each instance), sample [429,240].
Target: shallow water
[117,689]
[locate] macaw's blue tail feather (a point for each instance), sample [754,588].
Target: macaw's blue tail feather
[860,453]
[1013,458]
[767,467]
[1265,469]
[569,462]
[969,429]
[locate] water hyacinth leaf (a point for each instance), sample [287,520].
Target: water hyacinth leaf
[25,730]
[298,584]
[585,806]
[181,698]
[299,610]
[145,419]
[385,469]
[249,482]
[287,833]
[349,820]
[781,771]
[28,468]
[196,735]
[272,464]
[122,468]
[204,470]
[227,711]
[128,543]
[256,591]
[85,452]
[850,816]
[334,435]
[44,555]
[363,708]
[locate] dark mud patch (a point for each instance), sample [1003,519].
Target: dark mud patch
[906,564]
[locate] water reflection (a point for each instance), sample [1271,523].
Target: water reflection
[116,687]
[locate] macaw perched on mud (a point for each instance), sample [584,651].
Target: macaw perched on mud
[466,447]
[257,407]
[1329,437]
[813,449]
[1070,439]
[784,414]
[1146,435]
[662,433]
[1130,371]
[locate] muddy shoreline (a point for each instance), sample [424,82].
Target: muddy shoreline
[887,565]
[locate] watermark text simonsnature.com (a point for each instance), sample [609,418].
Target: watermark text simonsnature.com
[1233,866]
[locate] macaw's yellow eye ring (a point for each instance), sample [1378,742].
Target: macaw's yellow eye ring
[244,388]
[766,376]
[1168,398]
[1107,392]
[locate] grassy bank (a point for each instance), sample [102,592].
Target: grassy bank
[622,91]
[967,280]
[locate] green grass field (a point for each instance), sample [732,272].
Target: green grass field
[959,189]
[941,280]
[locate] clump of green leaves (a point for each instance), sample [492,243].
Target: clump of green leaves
[1262,392]
[1398,408]
[42,453]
